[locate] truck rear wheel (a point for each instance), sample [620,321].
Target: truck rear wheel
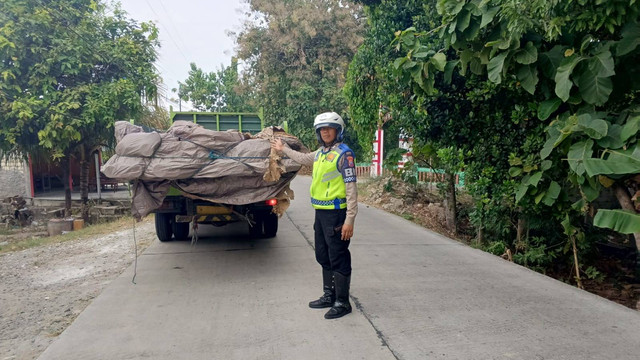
[163,226]
[270,225]
[180,230]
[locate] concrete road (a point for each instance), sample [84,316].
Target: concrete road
[418,295]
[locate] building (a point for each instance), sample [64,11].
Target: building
[39,177]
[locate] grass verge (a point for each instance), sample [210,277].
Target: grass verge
[89,231]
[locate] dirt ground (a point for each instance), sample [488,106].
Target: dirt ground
[43,289]
[421,204]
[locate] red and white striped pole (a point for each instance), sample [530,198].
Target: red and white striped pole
[405,142]
[378,153]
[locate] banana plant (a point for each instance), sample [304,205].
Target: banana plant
[579,72]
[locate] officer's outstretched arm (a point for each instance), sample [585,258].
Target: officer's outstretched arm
[301,158]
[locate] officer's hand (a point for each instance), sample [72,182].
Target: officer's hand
[347,232]
[277,145]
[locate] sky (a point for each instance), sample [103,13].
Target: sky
[190,31]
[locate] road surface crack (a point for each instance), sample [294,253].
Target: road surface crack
[355,300]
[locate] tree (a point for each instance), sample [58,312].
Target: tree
[580,71]
[155,116]
[564,70]
[371,81]
[442,119]
[219,91]
[69,72]
[461,116]
[297,54]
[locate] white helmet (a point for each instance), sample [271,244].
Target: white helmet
[329,119]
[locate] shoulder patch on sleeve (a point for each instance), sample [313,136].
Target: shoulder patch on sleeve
[350,160]
[348,166]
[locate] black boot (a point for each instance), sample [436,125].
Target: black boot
[342,306]
[329,296]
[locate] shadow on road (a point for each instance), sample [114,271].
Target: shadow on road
[232,237]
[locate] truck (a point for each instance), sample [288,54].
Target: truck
[178,212]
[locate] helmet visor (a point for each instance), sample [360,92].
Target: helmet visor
[333,125]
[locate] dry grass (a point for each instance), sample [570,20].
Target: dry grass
[36,239]
[410,202]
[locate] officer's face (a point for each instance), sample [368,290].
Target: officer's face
[328,134]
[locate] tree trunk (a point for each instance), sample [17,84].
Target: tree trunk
[520,229]
[575,261]
[303,56]
[67,188]
[624,198]
[84,182]
[451,211]
[480,237]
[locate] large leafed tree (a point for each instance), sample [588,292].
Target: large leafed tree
[297,54]
[219,91]
[70,69]
[540,96]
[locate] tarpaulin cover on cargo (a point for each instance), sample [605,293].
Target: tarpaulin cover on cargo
[227,167]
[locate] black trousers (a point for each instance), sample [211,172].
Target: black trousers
[331,251]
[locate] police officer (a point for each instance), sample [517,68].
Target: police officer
[334,195]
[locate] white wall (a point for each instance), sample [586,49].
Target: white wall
[13,178]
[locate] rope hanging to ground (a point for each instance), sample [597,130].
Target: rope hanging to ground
[135,242]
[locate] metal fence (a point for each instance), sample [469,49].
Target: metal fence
[425,175]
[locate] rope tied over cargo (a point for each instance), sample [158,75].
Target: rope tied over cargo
[199,158]
[213,155]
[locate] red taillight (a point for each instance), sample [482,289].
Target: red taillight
[272,202]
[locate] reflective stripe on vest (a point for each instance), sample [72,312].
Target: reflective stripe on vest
[328,191]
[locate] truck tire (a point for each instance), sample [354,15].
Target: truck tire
[255,231]
[180,230]
[163,226]
[270,225]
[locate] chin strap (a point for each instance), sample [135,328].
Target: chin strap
[330,145]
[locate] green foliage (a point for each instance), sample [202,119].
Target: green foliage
[297,54]
[496,248]
[219,91]
[420,64]
[388,186]
[371,90]
[444,118]
[451,160]
[621,221]
[410,173]
[392,158]
[536,94]
[368,2]
[614,162]
[579,70]
[70,70]
[535,254]
[594,274]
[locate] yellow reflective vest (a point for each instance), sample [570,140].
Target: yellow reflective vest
[328,191]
